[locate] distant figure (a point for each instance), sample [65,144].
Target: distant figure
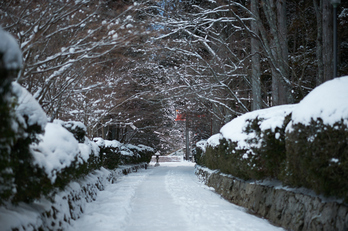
[157,158]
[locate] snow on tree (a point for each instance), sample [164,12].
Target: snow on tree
[10,53]
[93,61]
[10,128]
[64,44]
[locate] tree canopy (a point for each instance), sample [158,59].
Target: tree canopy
[123,68]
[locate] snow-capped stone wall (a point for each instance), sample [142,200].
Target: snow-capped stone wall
[67,205]
[292,209]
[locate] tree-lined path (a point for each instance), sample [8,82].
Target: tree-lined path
[168,197]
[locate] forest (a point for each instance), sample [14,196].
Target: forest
[127,69]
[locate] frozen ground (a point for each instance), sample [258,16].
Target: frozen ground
[167,198]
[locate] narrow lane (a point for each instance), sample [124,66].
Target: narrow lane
[153,207]
[167,198]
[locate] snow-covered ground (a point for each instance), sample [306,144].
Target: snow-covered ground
[168,197]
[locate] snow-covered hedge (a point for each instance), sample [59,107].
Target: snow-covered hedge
[251,146]
[63,157]
[302,145]
[141,152]
[30,121]
[317,140]
[10,53]
[42,157]
[38,158]
[114,153]
[10,128]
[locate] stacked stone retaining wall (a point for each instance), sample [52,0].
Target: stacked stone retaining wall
[288,208]
[68,204]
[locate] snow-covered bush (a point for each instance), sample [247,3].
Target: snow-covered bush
[29,120]
[127,156]
[78,129]
[10,54]
[250,146]
[89,150]
[141,153]
[303,145]
[36,157]
[317,140]
[41,157]
[110,151]
[8,136]
[62,157]
[198,151]
[114,153]
[7,139]
[10,128]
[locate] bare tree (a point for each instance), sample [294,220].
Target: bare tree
[255,60]
[327,40]
[319,43]
[64,43]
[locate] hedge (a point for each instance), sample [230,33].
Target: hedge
[114,153]
[8,136]
[32,179]
[258,153]
[34,160]
[317,158]
[39,158]
[314,156]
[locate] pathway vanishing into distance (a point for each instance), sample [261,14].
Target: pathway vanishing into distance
[165,198]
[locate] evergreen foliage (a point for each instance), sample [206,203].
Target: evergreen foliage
[8,135]
[141,154]
[30,181]
[115,155]
[313,156]
[268,158]
[264,158]
[317,158]
[22,178]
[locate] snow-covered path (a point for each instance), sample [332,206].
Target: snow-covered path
[166,198]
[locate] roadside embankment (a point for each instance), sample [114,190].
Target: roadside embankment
[292,209]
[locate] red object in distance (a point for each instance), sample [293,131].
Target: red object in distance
[180,116]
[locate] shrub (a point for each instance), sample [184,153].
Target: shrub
[31,122]
[268,153]
[40,158]
[317,157]
[8,136]
[251,146]
[60,158]
[110,151]
[141,153]
[312,153]
[317,141]
[114,153]
[78,129]
[199,152]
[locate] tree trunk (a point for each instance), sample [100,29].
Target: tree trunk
[255,60]
[319,42]
[327,41]
[284,90]
[276,18]
[275,87]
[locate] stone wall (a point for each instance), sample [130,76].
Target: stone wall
[288,208]
[67,205]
